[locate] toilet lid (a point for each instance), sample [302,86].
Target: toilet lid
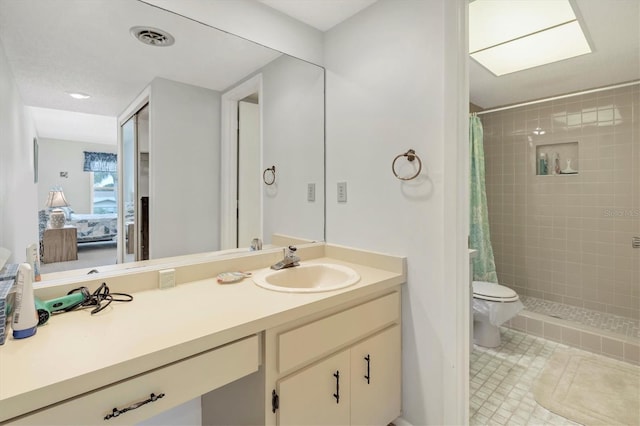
[493,292]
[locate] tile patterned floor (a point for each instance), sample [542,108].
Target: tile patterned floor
[502,379]
[621,325]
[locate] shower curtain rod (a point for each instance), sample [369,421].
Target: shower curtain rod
[553,98]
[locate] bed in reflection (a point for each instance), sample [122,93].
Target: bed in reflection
[90,227]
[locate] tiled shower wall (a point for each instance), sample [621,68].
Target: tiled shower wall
[567,238]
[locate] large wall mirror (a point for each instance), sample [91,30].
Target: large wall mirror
[207,185]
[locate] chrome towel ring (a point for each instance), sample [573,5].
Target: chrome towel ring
[269,175]
[411,155]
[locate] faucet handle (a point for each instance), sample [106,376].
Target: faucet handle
[291,251]
[256,244]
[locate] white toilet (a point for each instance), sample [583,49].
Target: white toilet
[493,305]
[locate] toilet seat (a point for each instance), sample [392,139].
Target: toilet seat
[493,292]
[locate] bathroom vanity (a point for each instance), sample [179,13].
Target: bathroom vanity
[338,351]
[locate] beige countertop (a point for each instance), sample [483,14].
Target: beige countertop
[77,352]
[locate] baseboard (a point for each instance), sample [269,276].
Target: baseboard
[401,422]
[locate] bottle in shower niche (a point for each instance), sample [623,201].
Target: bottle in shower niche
[554,167]
[542,164]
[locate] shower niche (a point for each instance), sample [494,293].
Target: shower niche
[557,159]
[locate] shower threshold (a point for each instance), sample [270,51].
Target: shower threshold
[602,333]
[624,326]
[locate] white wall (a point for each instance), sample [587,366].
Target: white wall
[18,192]
[67,156]
[386,75]
[184,173]
[293,141]
[255,22]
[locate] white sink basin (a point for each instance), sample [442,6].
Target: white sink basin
[307,278]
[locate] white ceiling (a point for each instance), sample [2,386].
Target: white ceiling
[83,38]
[611,26]
[321,14]
[613,29]
[58,46]
[75,126]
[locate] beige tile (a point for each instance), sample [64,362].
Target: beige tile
[632,353]
[571,337]
[552,332]
[535,327]
[553,221]
[612,347]
[519,323]
[595,306]
[590,342]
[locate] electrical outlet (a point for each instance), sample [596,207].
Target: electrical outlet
[311,192]
[167,278]
[342,192]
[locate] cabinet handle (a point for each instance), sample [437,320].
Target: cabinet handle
[116,412]
[368,376]
[337,394]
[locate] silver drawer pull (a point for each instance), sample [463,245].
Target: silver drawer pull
[635,242]
[116,412]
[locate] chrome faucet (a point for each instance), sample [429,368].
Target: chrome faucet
[256,244]
[290,259]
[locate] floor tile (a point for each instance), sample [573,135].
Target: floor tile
[502,381]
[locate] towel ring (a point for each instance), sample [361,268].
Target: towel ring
[269,175]
[411,155]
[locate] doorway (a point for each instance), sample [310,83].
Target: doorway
[248,166]
[241,162]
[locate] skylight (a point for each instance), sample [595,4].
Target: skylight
[506,36]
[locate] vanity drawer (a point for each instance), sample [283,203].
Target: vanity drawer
[318,338]
[179,382]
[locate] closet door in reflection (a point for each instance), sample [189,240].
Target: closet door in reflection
[135,183]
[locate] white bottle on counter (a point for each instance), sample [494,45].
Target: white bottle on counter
[25,317]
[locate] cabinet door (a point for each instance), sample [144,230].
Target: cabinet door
[308,397]
[375,378]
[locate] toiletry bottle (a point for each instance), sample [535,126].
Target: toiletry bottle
[34,260]
[542,164]
[25,318]
[556,163]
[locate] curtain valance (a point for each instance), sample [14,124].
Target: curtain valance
[100,162]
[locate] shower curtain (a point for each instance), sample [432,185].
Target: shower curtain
[484,267]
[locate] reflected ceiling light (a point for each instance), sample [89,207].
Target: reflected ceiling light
[603,116]
[539,131]
[78,95]
[508,36]
[152,36]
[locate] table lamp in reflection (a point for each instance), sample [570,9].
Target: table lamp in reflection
[56,200]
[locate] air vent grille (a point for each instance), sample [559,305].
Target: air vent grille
[152,36]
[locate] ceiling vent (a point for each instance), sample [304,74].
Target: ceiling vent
[152,36]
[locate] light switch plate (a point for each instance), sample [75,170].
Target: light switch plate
[342,192]
[311,192]
[167,278]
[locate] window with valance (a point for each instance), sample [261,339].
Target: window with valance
[100,162]
[103,168]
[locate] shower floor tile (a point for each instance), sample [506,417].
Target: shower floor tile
[502,380]
[603,321]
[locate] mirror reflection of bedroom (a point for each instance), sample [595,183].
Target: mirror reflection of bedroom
[78,174]
[83,95]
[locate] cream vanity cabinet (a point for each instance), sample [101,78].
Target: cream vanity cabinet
[340,369]
[170,385]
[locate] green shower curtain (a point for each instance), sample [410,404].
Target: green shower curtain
[484,267]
